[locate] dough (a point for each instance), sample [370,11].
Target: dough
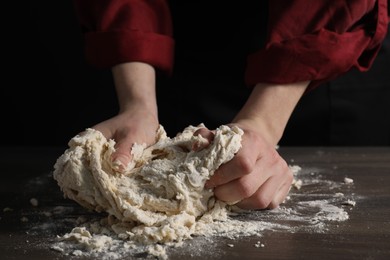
[160,196]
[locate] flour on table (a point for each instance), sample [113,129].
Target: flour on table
[159,201]
[160,197]
[348,180]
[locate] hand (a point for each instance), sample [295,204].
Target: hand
[257,177]
[137,121]
[135,125]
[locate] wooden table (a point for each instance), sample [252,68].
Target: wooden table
[27,231]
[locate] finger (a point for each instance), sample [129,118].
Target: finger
[283,190]
[270,194]
[242,164]
[280,196]
[208,138]
[122,155]
[243,187]
[262,198]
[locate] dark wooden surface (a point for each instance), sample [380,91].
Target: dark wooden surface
[26,173]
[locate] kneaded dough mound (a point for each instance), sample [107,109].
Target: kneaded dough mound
[160,196]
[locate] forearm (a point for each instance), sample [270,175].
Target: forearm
[127,30]
[135,85]
[269,108]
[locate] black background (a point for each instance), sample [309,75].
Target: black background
[49,93]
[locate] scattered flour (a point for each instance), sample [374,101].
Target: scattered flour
[159,202]
[348,180]
[160,197]
[349,202]
[34,202]
[24,219]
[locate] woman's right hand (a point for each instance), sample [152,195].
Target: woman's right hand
[135,125]
[137,120]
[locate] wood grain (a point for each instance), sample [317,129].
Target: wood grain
[26,173]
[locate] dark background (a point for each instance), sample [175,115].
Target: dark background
[49,93]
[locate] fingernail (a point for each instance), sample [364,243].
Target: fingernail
[118,165]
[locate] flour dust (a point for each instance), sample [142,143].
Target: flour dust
[313,205]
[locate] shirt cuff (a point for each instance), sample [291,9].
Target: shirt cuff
[106,49]
[315,57]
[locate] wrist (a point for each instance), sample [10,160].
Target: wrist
[269,132]
[135,85]
[269,108]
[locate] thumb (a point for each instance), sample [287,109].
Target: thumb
[122,155]
[208,138]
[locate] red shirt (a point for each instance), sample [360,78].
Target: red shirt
[306,40]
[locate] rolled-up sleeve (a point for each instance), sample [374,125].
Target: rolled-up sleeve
[318,40]
[119,31]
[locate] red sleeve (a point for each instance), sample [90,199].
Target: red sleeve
[120,31]
[318,40]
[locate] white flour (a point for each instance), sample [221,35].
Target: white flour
[135,233]
[312,208]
